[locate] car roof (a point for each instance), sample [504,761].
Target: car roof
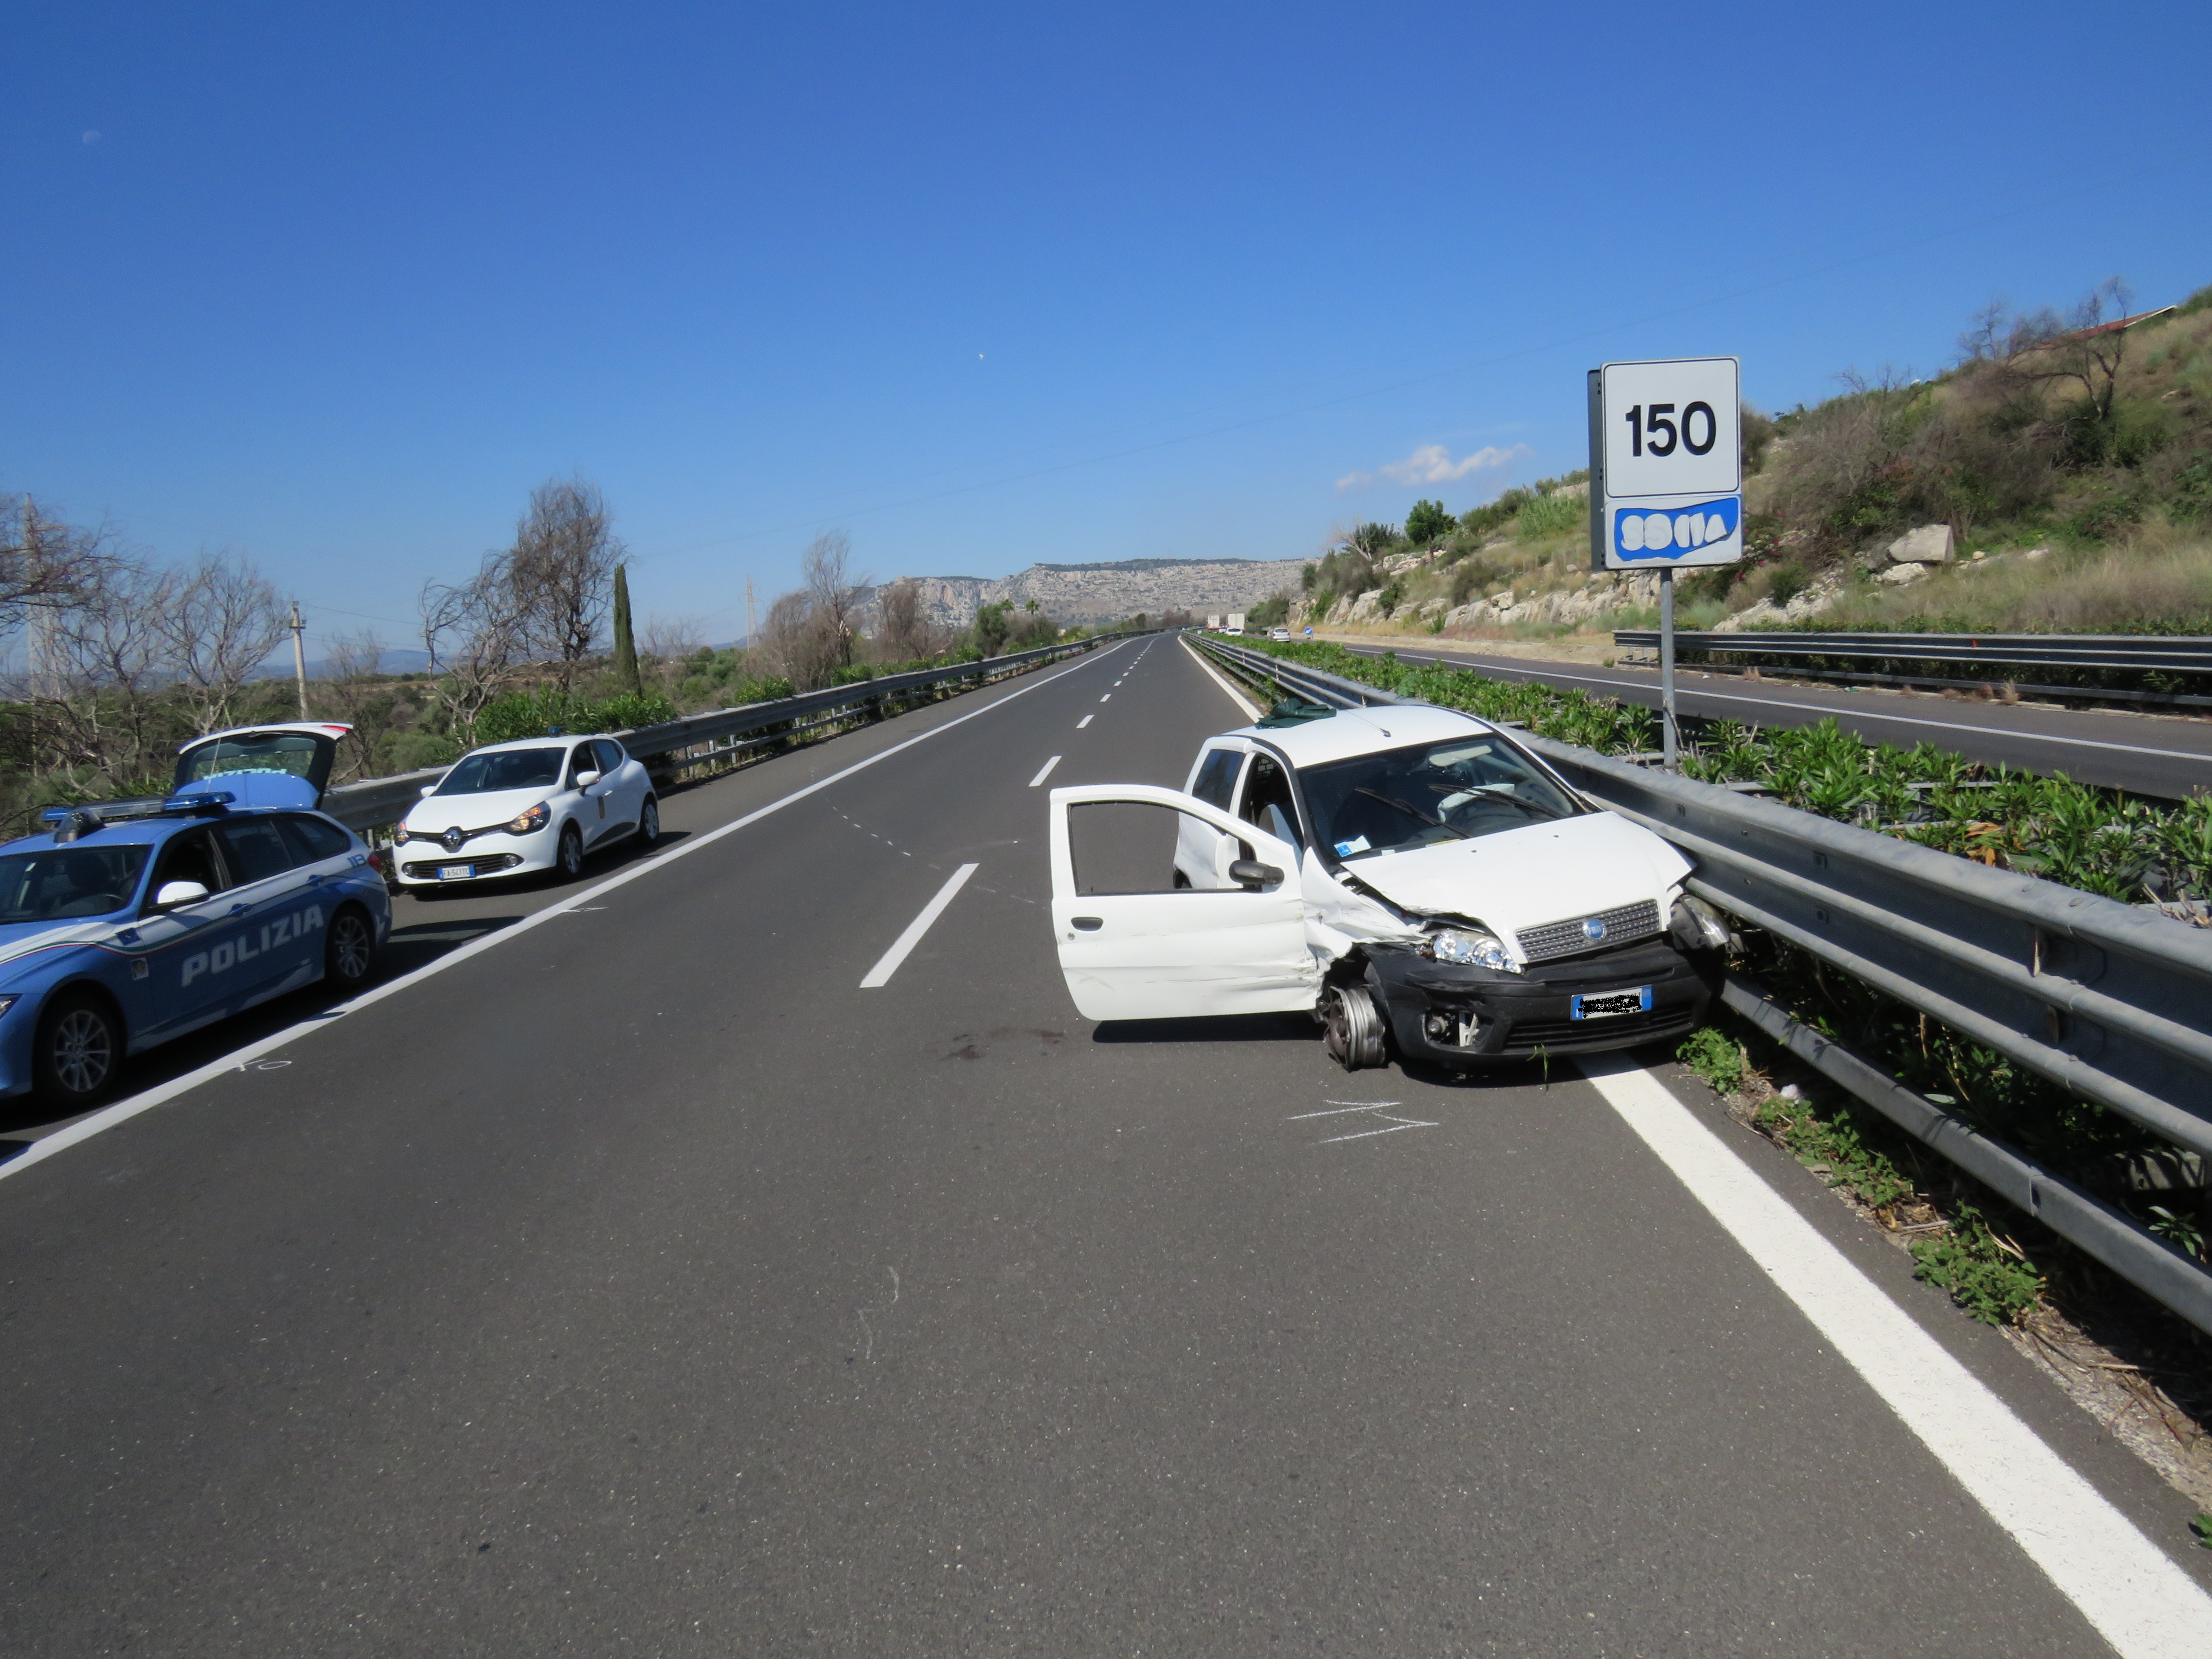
[531,743]
[149,831]
[1351,731]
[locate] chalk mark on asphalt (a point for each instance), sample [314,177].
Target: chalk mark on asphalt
[868,1331]
[1345,1109]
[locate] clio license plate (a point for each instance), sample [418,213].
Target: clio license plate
[1607,1004]
[463,872]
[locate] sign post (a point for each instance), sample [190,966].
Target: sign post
[1666,482]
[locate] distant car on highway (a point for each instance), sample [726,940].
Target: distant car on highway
[1281,633]
[1411,875]
[523,808]
[131,922]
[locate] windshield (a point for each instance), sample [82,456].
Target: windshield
[67,881]
[1422,797]
[505,769]
[295,752]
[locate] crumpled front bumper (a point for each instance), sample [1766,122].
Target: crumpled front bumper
[1517,1015]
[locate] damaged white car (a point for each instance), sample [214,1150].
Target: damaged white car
[1411,875]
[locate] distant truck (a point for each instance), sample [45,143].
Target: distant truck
[1213,624]
[1236,622]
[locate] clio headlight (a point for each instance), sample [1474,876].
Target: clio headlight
[524,823]
[1472,945]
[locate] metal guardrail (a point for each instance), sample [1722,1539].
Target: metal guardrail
[2109,1001]
[380,801]
[2162,653]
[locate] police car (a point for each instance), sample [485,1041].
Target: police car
[131,922]
[526,807]
[1410,874]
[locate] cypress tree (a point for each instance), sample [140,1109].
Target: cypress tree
[625,642]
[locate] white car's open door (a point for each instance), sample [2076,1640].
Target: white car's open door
[1134,946]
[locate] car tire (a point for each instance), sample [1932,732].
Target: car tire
[569,857]
[648,822]
[78,1050]
[1351,1027]
[349,950]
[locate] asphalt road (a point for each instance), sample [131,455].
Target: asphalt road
[2165,756]
[640,1284]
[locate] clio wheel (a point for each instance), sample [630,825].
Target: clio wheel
[79,1048]
[568,860]
[648,822]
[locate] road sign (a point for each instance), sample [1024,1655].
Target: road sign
[1667,490]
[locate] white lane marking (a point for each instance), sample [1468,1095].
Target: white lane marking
[2139,1601]
[1857,714]
[84,1128]
[1251,709]
[1044,771]
[1084,721]
[881,973]
[1109,697]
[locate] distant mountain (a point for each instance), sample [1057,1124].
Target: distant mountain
[1093,594]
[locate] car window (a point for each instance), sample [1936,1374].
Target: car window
[314,839]
[1267,802]
[611,754]
[1217,777]
[255,849]
[188,857]
[580,760]
[1404,798]
[67,881]
[504,768]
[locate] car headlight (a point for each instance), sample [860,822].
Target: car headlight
[523,823]
[1472,945]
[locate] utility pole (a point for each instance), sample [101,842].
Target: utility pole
[300,657]
[750,624]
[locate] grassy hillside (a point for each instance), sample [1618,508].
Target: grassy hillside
[2075,458]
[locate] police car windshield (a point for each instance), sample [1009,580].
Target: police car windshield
[506,768]
[64,883]
[1404,799]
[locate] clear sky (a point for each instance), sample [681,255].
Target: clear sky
[337,284]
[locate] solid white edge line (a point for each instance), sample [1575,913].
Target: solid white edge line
[889,962]
[2125,1586]
[238,1059]
[1870,714]
[1044,771]
[1250,709]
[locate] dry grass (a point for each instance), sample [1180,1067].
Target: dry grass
[2159,578]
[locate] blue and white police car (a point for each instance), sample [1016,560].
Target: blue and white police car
[131,922]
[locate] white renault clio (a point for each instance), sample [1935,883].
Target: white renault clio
[511,809]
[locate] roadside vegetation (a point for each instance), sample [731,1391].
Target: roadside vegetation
[116,659]
[2072,455]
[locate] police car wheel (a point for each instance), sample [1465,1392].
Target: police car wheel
[648,822]
[349,950]
[80,1045]
[569,859]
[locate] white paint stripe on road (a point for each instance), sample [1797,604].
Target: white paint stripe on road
[1109,697]
[124,1110]
[2138,1600]
[1251,709]
[1823,709]
[1044,771]
[1084,721]
[889,964]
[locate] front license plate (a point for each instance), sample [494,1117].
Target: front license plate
[463,872]
[1610,1003]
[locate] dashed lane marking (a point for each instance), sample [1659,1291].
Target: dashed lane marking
[1044,771]
[889,964]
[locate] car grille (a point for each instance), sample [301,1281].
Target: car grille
[1565,1033]
[428,868]
[1564,939]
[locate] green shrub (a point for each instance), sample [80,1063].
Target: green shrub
[1552,515]
[1715,1056]
[1988,1281]
[1428,524]
[1785,582]
[536,714]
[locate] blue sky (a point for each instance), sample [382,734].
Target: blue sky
[337,284]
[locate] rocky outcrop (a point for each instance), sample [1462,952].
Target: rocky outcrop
[1092,593]
[1930,544]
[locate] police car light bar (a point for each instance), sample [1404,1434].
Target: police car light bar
[94,813]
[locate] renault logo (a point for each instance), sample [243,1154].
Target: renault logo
[452,839]
[1593,928]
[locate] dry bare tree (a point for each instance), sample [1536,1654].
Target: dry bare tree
[219,622]
[902,626]
[476,632]
[46,566]
[355,692]
[563,569]
[104,706]
[834,592]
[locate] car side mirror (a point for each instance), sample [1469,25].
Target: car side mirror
[176,893]
[428,790]
[1252,875]
[586,779]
